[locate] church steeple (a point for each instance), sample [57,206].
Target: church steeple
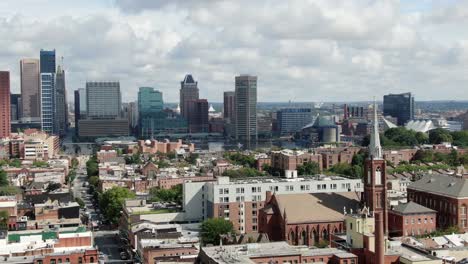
[375,150]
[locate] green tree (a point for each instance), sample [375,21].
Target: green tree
[41,164]
[53,186]
[3,178]
[308,168]
[4,217]
[92,166]
[192,158]
[439,135]
[243,172]
[453,159]
[240,159]
[80,202]
[424,156]
[213,228]
[15,163]
[111,202]
[94,181]
[167,195]
[172,155]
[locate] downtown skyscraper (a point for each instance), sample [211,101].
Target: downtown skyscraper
[61,107]
[30,89]
[5,118]
[188,92]
[47,59]
[246,107]
[48,92]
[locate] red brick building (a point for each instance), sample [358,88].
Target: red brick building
[5,118]
[290,160]
[306,219]
[87,256]
[446,194]
[411,219]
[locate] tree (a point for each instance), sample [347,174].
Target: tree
[173,195]
[192,158]
[172,155]
[3,178]
[94,181]
[15,163]
[111,202]
[243,172]
[213,228]
[92,166]
[4,217]
[453,159]
[41,164]
[80,202]
[53,186]
[308,168]
[439,135]
[424,156]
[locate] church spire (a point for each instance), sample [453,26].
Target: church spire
[375,150]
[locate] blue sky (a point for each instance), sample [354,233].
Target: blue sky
[305,50]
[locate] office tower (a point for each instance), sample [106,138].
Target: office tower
[48,102]
[61,108]
[77,107]
[198,116]
[104,106]
[103,100]
[292,120]
[47,58]
[82,95]
[150,101]
[188,91]
[400,106]
[229,108]
[150,106]
[30,89]
[5,118]
[246,107]
[15,103]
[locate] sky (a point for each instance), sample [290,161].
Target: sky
[301,50]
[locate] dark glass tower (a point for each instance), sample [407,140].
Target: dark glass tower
[47,58]
[400,106]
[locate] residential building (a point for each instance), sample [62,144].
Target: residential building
[103,100]
[47,59]
[284,160]
[446,194]
[229,105]
[48,114]
[411,219]
[292,120]
[400,106]
[40,145]
[246,107]
[61,106]
[5,108]
[239,200]
[273,252]
[30,89]
[188,92]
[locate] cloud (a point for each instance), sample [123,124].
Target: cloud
[311,50]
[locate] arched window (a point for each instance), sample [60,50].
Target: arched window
[67,260]
[314,237]
[292,237]
[463,209]
[378,176]
[304,238]
[80,260]
[91,259]
[325,234]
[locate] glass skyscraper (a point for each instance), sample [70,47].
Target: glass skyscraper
[48,102]
[47,60]
[103,100]
[400,106]
[150,101]
[291,120]
[246,107]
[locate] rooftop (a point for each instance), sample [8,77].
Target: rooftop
[412,208]
[253,180]
[445,185]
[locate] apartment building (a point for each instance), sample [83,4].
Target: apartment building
[240,200]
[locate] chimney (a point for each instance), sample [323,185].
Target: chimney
[379,239]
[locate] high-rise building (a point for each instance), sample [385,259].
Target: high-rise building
[82,95]
[292,120]
[188,92]
[150,107]
[229,107]
[400,106]
[198,116]
[61,108]
[78,100]
[150,101]
[48,115]
[5,118]
[246,107]
[103,100]
[30,89]
[47,58]
[15,103]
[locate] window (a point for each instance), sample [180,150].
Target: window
[419,221]
[432,220]
[220,191]
[412,220]
[226,191]
[226,199]
[91,259]
[425,220]
[254,228]
[254,213]
[39,261]
[254,220]
[463,222]
[240,198]
[80,260]
[463,210]
[289,188]
[67,260]
[319,187]
[333,186]
[60,261]
[254,206]
[53,261]
[350,226]
[406,221]
[240,190]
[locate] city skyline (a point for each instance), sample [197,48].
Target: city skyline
[350,49]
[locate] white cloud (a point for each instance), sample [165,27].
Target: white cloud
[304,49]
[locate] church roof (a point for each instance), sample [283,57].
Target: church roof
[412,208]
[440,184]
[317,207]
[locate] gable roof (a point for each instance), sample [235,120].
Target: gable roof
[412,208]
[440,184]
[317,207]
